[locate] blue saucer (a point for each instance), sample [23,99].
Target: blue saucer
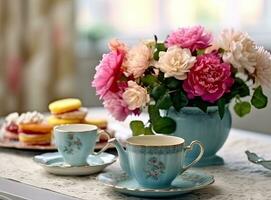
[187,182]
[54,163]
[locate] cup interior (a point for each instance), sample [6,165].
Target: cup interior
[76,128]
[155,140]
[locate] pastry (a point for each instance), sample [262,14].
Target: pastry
[33,129]
[10,127]
[64,105]
[54,121]
[100,123]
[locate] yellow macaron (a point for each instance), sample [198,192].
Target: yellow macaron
[35,139]
[54,121]
[64,105]
[100,123]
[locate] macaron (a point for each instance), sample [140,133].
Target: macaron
[8,135]
[99,122]
[35,139]
[54,121]
[39,128]
[79,114]
[64,105]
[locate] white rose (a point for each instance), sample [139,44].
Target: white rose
[176,62]
[263,67]
[240,50]
[135,96]
[137,60]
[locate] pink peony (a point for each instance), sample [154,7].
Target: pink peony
[209,78]
[117,107]
[192,38]
[108,72]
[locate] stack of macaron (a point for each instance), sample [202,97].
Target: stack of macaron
[10,128]
[33,129]
[67,111]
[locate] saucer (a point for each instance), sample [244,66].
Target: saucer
[54,163]
[187,182]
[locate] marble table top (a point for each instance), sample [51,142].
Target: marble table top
[237,179]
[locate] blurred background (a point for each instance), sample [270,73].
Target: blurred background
[49,48]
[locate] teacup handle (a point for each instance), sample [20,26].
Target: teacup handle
[107,145]
[189,148]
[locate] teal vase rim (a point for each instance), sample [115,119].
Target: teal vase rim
[197,109]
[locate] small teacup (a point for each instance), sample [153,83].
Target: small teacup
[155,160]
[76,141]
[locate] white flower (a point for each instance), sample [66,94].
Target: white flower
[137,60]
[263,67]
[240,50]
[135,96]
[176,62]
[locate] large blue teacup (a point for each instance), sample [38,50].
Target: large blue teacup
[155,160]
[75,142]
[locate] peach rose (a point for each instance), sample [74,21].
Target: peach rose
[117,45]
[137,60]
[135,96]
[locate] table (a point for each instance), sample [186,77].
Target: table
[237,179]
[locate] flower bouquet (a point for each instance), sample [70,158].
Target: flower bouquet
[189,69]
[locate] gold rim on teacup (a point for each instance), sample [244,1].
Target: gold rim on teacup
[71,128]
[155,141]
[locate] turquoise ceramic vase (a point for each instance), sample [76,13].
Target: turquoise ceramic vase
[208,128]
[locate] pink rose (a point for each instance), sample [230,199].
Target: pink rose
[192,38]
[209,78]
[117,107]
[107,73]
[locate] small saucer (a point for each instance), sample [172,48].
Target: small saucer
[54,163]
[187,182]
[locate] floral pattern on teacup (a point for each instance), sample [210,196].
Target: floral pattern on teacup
[154,168]
[72,144]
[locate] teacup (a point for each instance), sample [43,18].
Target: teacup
[76,141]
[155,160]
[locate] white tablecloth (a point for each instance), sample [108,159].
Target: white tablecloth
[237,179]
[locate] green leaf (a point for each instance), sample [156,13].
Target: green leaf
[164,102]
[200,104]
[242,108]
[137,127]
[149,80]
[156,55]
[161,47]
[220,50]
[161,76]
[240,87]
[179,100]
[164,125]
[148,131]
[221,107]
[200,52]
[259,100]
[173,83]
[158,91]
[153,113]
